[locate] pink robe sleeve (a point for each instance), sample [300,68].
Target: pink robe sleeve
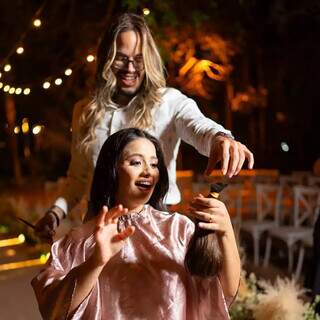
[55,284]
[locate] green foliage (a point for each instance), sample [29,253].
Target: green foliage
[310,314]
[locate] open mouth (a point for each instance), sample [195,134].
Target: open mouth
[144,185]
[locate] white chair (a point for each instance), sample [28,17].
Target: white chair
[305,202]
[268,199]
[306,243]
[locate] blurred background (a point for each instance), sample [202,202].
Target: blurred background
[251,65]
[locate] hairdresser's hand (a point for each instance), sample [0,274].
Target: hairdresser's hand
[46,226]
[232,155]
[108,240]
[212,213]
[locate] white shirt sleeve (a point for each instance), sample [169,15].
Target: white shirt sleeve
[75,185]
[193,127]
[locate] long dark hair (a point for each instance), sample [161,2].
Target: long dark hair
[105,180]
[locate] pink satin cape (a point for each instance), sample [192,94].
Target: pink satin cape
[145,280]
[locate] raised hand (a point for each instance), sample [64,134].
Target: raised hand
[232,155]
[212,213]
[108,240]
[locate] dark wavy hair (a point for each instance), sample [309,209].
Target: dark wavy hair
[105,180]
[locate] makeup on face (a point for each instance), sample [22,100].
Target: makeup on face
[138,173]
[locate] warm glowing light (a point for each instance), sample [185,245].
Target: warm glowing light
[58,81]
[13,241]
[146,11]
[18,91]
[68,72]
[37,23]
[36,129]
[16,129]
[23,264]
[46,85]
[90,58]
[1,85]
[6,88]
[25,125]
[7,67]
[10,253]
[12,90]
[20,50]
[0,74]
[26,91]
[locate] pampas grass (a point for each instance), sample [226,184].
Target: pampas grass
[281,301]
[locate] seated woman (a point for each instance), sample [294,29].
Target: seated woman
[127,262]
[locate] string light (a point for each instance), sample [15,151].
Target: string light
[37,23]
[36,129]
[68,72]
[1,85]
[16,129]
[146,11]
[0,74]
[20,50]
[46,85]
[18,91]
[7,67]
[90,58]
[26,91]
[12,90]
[6,88]
[58,81]
[25,125]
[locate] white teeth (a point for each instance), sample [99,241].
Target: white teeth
[144,183]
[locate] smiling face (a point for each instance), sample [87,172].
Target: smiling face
[129,78]
[138,174]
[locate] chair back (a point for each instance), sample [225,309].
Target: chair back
[306,204]
[268,199]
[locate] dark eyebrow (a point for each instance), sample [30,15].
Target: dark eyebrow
[137,154]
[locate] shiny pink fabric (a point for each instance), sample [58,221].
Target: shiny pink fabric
[146,280]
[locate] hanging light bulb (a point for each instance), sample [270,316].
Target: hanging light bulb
[26,91]
[16,129]
[6,88]
[12,90]
[7,67]
[68,72]
[18,91]
[90,58]
[46,85]
[20,50]
[37,23]
[36,129]
[58,81]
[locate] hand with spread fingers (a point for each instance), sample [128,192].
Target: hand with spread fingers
[108,240]
[232,155]
[212,213]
